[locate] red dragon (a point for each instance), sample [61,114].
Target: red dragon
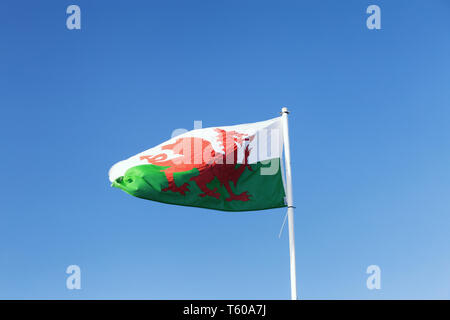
[210,164]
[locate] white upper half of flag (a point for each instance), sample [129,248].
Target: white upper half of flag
[264,139]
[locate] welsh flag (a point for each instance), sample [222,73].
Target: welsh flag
[233,168]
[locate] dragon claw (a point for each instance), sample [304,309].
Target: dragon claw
[244,196]
[181,189]
[211,193]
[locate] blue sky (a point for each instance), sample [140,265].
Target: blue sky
[369,134]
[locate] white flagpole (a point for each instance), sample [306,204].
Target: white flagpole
[290,201]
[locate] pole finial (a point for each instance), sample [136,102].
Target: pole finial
[284,110]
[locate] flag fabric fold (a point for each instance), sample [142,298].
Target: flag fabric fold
[232,168]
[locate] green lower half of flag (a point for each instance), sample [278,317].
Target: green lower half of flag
[224,187]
